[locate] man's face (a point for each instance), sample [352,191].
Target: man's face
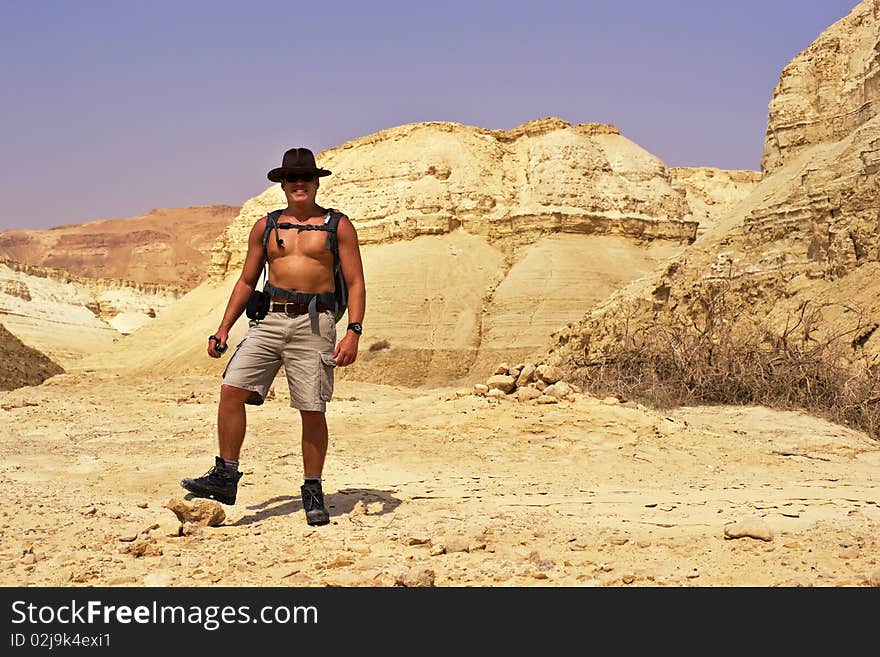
[300,188]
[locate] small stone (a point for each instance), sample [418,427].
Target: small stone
[852,552]
[190,529]
[158,578]
[526,375]
[749,528]
[416,578]
[199,511]
[437,549]
[548,373]
[546,399]
[501,382]
[611,401]
[481,389]
[456,544]
[526,394]
[496,393]
[142,505]
[560,390]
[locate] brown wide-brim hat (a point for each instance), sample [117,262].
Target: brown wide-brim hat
[297,160]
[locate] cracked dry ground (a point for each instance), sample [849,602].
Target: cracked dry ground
[430,487]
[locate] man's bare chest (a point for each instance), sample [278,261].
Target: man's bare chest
[304,242]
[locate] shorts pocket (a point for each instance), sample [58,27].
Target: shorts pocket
[326,365]
[229,362]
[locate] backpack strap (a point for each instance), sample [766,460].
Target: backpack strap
[272,222]
[331,222]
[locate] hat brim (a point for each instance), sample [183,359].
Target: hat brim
[277,175]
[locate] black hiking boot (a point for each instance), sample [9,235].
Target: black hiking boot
[218,483]
[313,503]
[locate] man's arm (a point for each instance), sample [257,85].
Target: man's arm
[247,281]
[353,271]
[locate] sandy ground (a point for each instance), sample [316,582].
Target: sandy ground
[425,486]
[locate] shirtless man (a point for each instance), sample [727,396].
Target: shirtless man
[303,342]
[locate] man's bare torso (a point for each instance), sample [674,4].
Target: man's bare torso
[304,263]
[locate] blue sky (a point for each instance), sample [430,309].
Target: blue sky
[110,109]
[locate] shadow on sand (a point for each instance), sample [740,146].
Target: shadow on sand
[339,503]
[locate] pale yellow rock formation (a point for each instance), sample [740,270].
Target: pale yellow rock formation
[712,193]
[828,90]
[808,233]
[476,244]
[66,316]
[546,176]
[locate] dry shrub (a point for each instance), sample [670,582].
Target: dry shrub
[723,355]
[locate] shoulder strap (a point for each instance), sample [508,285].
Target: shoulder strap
[331,223]
[272,222]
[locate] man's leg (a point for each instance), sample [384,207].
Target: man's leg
[314,450]
[231,421]
[314,443]
[221,482]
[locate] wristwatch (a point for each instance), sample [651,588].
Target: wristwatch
[356,327]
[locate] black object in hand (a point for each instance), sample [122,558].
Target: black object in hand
[218,347]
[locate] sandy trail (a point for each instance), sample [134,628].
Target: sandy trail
[429,486]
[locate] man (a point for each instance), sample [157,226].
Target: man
[299,335]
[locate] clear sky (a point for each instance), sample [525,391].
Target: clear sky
[109,108]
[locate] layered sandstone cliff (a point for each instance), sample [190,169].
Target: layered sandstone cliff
[712,193]
[828,90]
[166,246]
[809,233]
[510,187]
[66,316]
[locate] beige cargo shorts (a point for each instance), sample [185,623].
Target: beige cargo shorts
[283,339]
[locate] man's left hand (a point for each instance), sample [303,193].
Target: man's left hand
[346,349]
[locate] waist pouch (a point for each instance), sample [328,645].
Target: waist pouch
[258,304]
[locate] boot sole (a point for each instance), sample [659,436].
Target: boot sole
[207,494]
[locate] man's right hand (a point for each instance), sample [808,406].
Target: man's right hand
[217,343]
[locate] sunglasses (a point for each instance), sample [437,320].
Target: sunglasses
[299,177]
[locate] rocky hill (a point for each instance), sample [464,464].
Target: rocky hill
[21,365]
[806,237]
[66,316]
[74,289]
[166,246]
[477,244]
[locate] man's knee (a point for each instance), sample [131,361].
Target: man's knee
[233,395]
[313,418]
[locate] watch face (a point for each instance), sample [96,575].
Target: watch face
[357,328]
